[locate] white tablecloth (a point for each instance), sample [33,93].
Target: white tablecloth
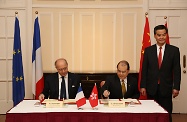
[146,106]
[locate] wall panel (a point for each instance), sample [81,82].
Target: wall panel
[4,71]
[92,40]
[87,43]
[2,23]
[3,90]
[129,38]
[47,39]
[2,48]
[66,37]
[108,21]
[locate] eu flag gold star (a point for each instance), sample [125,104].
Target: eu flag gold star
[19,51]
[17,79]
[14,52]
[21,78]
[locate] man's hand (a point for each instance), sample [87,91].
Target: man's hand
[41,97]
[143,91]
[175,93]
[106,93]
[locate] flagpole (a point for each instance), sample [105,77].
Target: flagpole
[34,95]
[36,12]
[18,87]
[165,18]
[37,68]
[146,42]
[166,25]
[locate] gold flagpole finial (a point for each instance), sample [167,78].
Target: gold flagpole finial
[165,17]
[36,12]
[146,13]
[16,13]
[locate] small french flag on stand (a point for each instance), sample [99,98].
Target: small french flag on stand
[80,98]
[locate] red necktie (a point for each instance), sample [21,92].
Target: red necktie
[160,60]
[160,57]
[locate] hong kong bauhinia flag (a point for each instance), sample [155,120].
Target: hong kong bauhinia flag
[93,99]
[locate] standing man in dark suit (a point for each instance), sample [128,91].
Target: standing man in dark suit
[161,71]
[120,85]
[62,84]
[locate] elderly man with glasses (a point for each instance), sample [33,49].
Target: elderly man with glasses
[62,84]
[120,85]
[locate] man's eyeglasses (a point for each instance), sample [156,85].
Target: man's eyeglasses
[62,69]
[119,71]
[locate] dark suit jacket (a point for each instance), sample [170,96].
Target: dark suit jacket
[169,72]
[51,86]
[113,85]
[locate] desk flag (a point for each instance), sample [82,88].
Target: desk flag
[146,42]
[37,69]
[17,67]
[80,99]
[93,99]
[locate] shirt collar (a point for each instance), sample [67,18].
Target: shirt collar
[125,80]
[163,47]
[59,76]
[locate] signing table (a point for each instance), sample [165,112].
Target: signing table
[147,111]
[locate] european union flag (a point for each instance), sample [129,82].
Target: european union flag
[17,67]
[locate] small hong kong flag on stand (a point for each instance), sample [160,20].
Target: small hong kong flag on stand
[93,99]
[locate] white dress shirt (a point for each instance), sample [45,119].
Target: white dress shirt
[66,83]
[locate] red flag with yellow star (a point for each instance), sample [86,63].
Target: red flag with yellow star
[146,42]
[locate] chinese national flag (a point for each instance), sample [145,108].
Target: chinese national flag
[167,38]
[93,99]
[146,42]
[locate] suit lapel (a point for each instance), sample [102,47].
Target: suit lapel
[154,56]
[128,84]
[69,82]
[56,79]
[165,55]
[118,83]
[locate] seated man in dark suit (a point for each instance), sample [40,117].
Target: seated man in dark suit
[121,85]
[62,84]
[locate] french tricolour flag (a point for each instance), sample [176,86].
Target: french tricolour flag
[80,99]
[37,69]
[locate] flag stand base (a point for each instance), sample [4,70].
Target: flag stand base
[95,108]
[80,108]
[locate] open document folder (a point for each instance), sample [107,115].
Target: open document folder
[66,101]
[130,101]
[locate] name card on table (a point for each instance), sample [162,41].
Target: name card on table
[116,104]
[54,104]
